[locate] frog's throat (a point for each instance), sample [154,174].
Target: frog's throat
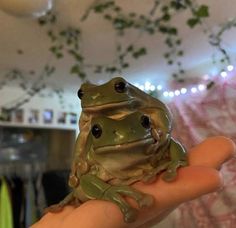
[94,108]
[125,146]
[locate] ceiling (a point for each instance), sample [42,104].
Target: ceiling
[20,33]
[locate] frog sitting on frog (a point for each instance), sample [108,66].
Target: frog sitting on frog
[122,150]
[116,99]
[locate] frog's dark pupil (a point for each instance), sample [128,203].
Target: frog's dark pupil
[145,121]
[96,131]
[80,93]
[120,87]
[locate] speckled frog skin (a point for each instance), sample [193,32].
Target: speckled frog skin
[120,152]
[115,99]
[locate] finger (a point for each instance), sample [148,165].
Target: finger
[53,220]
[156,219]
[212,152]
[192,182]
[102,214]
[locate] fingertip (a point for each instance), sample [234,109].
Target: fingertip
[191,182]
[212,152]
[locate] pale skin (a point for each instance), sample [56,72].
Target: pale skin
[201,177]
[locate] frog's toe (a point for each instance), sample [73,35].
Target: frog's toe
[53,208]
[169,175]
[131,215]
[146,201]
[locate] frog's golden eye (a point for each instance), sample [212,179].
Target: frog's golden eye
[80,93]
[120,87]
[145,121]
[96,131]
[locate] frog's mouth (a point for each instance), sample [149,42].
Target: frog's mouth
[110,105]
[125,146]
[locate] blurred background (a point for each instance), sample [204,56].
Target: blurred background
[182,52]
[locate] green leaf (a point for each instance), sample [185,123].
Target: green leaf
[166,55]
[132,14]
[75,69]
[130,48]
[178,42]
[210,85]
[111,69]
[82,75]
[140,52]
[59,55]
[173,31]
[180,53]
[166,17]
[165,9]
[163,29]
[181,80]
[108,17]
[192,22]
[117,9]
[202,11]
[174,75]
[125,65]
[53,49]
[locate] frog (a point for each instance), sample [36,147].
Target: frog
[115,99]
[116,152]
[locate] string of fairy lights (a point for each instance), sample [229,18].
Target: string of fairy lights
[149,87]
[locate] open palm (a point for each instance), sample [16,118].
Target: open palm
[200,177]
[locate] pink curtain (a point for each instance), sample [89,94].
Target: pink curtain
[198,116]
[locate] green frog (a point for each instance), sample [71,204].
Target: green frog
[119,153]
[115,99]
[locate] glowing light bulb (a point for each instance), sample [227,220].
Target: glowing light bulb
[230,67]
[152,87]
[223,74]
[201,87]
[183,90]
[171,94]
[159,87]
[166,94]
[194,90]
[147,85]
[177,92]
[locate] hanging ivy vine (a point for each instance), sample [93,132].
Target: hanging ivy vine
[158,20]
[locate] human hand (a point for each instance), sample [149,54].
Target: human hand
[199,178]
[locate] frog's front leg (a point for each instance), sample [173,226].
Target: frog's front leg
[178,158]
[95,188]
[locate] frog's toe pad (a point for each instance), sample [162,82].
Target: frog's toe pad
[146,201]
[54,209]
[169,175]
[131,215]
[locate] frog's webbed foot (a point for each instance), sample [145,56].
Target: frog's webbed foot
[68,200]
[171,172]
[115,193]
[178,158]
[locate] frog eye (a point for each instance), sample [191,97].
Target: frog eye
[96,131]
[80,93]
[145,121]
[120,87]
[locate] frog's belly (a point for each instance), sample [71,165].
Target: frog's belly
[125,164]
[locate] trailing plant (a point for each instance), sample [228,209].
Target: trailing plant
[158,20]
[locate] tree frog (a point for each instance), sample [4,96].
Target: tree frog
[119,153]
[115,99]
